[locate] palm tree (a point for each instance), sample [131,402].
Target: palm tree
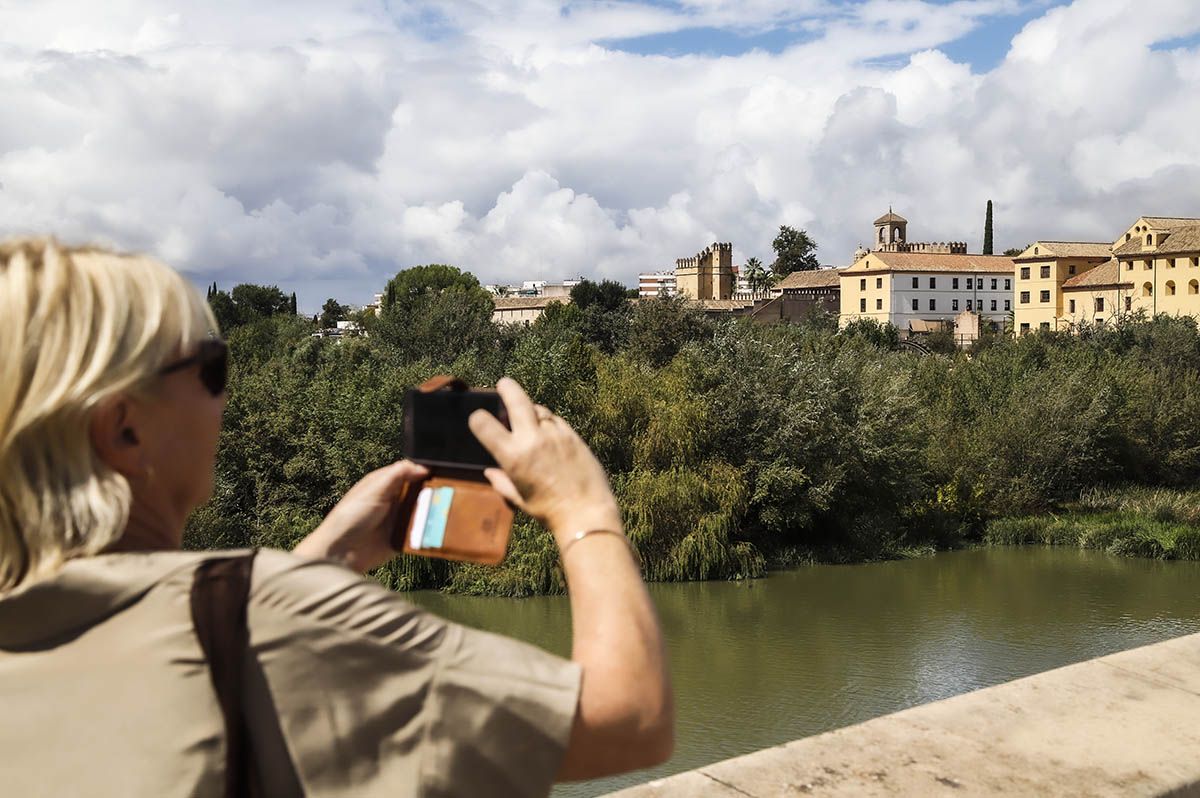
[757,276]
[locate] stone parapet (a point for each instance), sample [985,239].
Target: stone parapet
[1123,724]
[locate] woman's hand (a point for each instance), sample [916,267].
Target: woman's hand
[358,531]
[545,467]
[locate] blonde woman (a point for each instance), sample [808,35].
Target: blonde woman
[112,385]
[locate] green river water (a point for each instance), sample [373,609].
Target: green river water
[761,662]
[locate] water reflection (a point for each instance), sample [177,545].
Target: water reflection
[760,663]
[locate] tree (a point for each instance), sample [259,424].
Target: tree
[436,311]
[608,295]
[794,251]
[331,313]
[293,308]
[1013,252]
[604,313]
[987,230]
[758,276]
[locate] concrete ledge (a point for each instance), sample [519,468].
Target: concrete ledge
[1125,724]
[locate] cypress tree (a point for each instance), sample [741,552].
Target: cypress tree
[987,231]
[293,304]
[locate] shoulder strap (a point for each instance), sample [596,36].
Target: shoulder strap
[219,593]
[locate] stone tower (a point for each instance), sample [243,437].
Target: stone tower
[708,275]
[890,229]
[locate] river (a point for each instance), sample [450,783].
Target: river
[761,662]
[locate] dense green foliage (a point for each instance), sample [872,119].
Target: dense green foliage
[732,447]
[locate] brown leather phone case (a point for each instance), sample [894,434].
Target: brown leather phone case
[478,524]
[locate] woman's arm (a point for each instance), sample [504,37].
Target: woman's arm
[626,717]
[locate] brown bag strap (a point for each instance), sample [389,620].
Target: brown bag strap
[442,381]
[219,593]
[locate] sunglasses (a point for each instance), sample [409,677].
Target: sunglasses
[213,357]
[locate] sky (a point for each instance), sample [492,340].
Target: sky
[323,145]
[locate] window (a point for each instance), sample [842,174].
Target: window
[933,304]
[954,283]
[1044,296]
[1071,269]
[1172,263]
[993,304]
[993,283]
[1024,272]
[1024,327]
[1099,304]
[1007,284]
[969,305]
[879,304]
[914,304]
[1071,306]
[862,284]
[1149,239]
[954,304]
[1128,303]
[1147,289]
[970,284]
[1044,325]
[879,282]
[862,305]
[916,282]
[1194,262]
[933,282]
[1170,288]
[1128,265]
[1147,265]
[1008,304]
[1045,272]
[1024,297]
[1193,287]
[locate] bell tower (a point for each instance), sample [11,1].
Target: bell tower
[891,232]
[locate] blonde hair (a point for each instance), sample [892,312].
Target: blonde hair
[80,325]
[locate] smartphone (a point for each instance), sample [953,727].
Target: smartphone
[436,434]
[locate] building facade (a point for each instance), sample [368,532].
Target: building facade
[522,309]
[1159,257]
[651,284]
[1043,269]
[923,291]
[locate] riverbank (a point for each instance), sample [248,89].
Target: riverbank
[1154,523]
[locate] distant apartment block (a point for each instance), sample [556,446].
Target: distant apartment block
[651,284]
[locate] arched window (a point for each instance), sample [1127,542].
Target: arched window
[1170,288]
[1128,236]
[1194,287]
[1149,239]
[881,235]
[1147,289]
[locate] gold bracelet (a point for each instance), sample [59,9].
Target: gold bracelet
[578,536]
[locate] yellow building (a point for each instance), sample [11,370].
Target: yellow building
[1160,258]
[1041,271]
[708,275]
[1096,295]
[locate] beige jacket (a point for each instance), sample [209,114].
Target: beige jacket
[350,690]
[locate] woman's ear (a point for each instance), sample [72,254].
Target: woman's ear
[115,439]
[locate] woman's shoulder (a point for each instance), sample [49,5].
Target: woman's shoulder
[322,595]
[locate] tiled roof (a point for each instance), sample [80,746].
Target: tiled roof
[1170,221]
[891,217]
[1104,275]
[1067,249]
[931,262]
[527,302]
[815,278]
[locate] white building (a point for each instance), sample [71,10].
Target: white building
[923,291]
[656,284]
[522,309]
